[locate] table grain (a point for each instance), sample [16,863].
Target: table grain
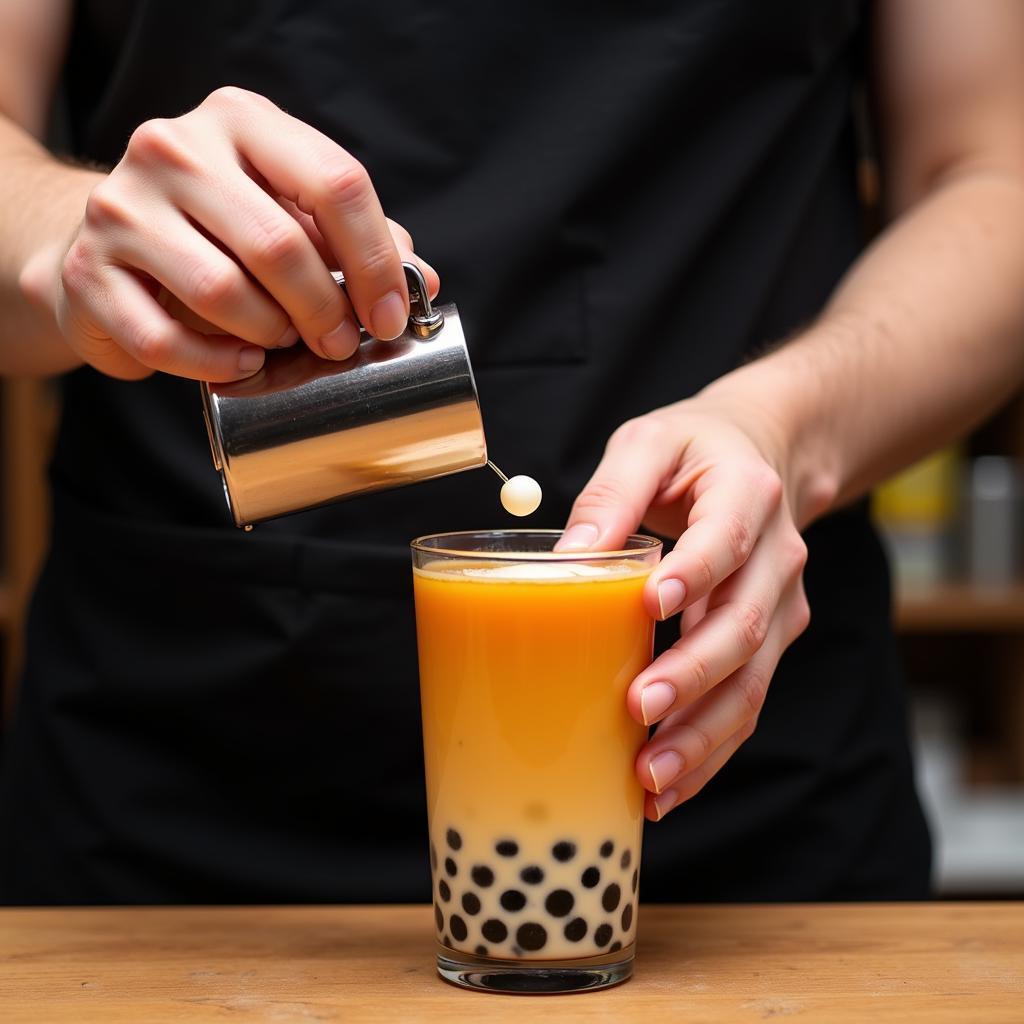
[932,962]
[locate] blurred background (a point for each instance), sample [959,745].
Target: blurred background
[954,526]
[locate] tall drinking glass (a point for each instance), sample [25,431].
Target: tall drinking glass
[535,812]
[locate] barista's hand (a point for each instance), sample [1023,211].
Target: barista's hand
[705,471]
[237,210]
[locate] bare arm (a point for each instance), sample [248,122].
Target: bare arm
[923,337]
[41,199]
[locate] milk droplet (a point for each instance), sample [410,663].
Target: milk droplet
[521,495]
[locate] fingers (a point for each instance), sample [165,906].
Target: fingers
[740,615]
[640,457]
[725,522]
[280,255]
[129,334]
[405,249]
[335,190]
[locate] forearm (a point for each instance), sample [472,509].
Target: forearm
[922,338]
[41,202]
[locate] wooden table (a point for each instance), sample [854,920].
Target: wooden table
[852,963]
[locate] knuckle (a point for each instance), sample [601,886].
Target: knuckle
[751,627]
[76,270]
[753,687]
[739,537]
[106,207]
[213,286]
[748,729]
[700,740]
[158,141]
[703,574]
[700,673]
[801,617]
[344,182]
[151,344]
[770,484]
[600,494]
[232,96]
[278,242]
[378,261]
[643,431]
[796,552]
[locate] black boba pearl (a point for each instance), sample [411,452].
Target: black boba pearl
[471,903]
[482,875]
[627,859]
[636,878]
[559,903]
[532,875]
[575,929]
[442,888]
[606,848]
[480,951]
[439,918]
[610,897]
[590,877]
[507,848]
[458,927]
[563,851]
[433,856]
[454,839]
[451,867]
[627,916]
[494,930]
[602,936]
[531,936]
[512,899]
[615,947]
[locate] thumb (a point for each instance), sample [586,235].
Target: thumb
[638,459]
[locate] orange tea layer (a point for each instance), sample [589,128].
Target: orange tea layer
[535,812]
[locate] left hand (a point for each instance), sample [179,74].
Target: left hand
[706,471]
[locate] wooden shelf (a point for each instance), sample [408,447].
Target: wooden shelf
[960,607]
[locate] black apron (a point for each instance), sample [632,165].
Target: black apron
[662,188]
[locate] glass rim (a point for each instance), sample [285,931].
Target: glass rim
[644,544]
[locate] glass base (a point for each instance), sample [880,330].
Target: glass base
[535,977]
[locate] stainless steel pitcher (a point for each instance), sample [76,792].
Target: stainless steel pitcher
[304,431]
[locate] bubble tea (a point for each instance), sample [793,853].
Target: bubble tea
[535,811]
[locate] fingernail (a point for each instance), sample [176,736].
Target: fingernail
[388,316]
[287,339]
[670,596]
[250,360]
[664,803]
[342,341]
[578,538]
[655,700]
[664,768]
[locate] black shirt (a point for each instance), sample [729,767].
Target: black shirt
[626,201]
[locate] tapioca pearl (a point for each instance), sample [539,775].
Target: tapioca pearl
[458,928]
[444,890]
[610,897]
[471,903]
[506,848]
[451,867]
[607,847]
[627,916]
[560,903]
[563,851]
[615,946]
[438,918]
[603,935]
[575,930]
[494,930]
[627,859]
[482,875]
[590,877]
[433,857]
[532,874]
[454,839]
[636,878]
[531,936]
[480,951]
[512,899]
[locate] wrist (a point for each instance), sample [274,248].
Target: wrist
[783,403]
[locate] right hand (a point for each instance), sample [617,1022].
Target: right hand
[238,211]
